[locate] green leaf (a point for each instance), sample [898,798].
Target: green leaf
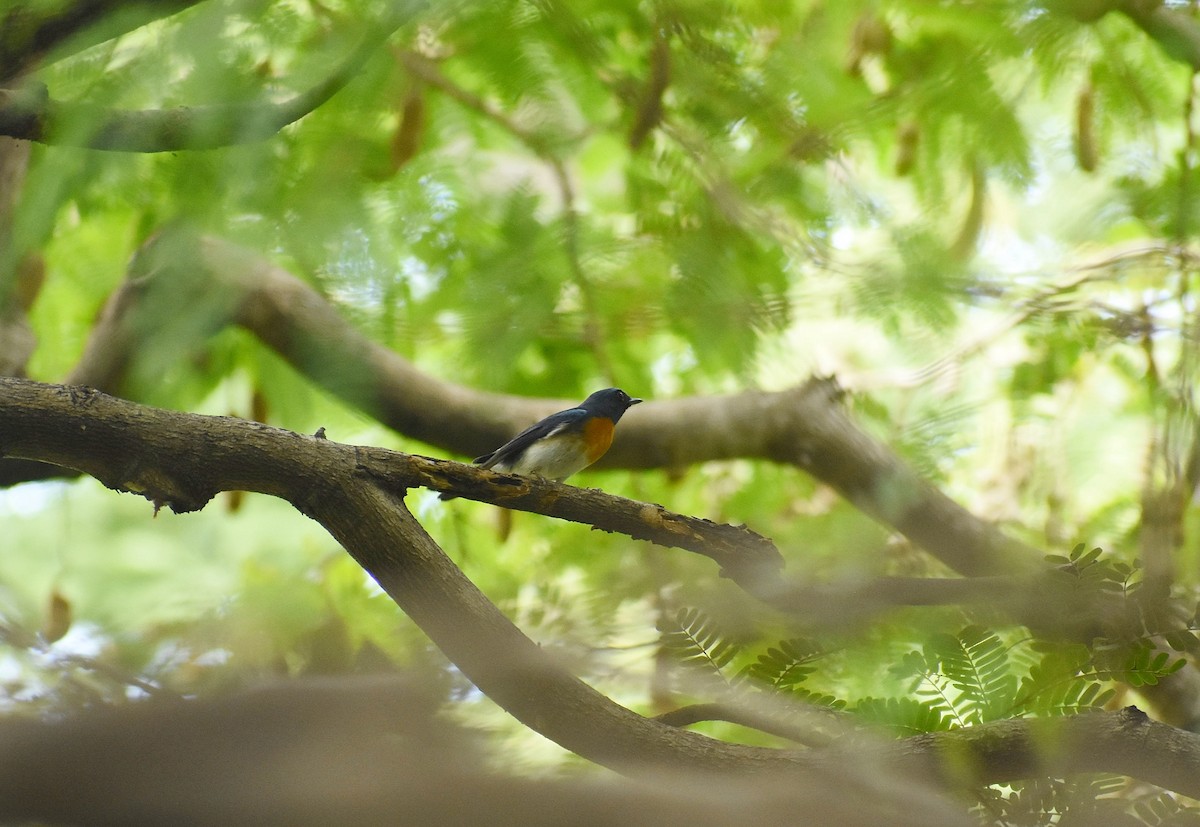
[976,664]
[695,640]
[785,665]
[903,716]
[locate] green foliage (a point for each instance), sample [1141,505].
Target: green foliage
[971,678]
[1129,652]
[1061,682]
[1164,810]
[786,665]
[896,192]
[954,680]
[783,668]
[1079,800]
[696,641]
[968,672]
[957,681]
[1090,570]
[901,716]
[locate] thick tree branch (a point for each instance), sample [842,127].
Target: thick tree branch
[30,30]
[183,460]
[219,284]
[32,116]
[735,714]
[747,557]
[807,426]
[288,754]
[1042,600]
[1047,601]
[1124,742]
[1176,31]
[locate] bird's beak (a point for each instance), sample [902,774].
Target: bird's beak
[634,401]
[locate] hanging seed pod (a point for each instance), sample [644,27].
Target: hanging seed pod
[650,109]
[968,235]
[908,136]
[406,140]
[1087,150]
[59,616]
[871,36]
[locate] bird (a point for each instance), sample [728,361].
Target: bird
[563,443]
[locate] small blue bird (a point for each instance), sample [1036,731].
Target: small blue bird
[563,443]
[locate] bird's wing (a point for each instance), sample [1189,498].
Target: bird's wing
[509,451]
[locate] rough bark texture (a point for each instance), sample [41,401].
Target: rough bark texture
[365,752]
[182,460]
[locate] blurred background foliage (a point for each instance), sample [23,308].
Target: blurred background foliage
[978,216]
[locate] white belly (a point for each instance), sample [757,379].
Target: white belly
[550,458]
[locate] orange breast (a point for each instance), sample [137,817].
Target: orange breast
[598,436]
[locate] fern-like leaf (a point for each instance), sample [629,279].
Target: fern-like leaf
[1091,570]
[817,698]
[1062,682]
[1137,664]
[785,665]
[976,664]
[903,716]
[929,684]
[1164,810]
[694,639]
[1183,640]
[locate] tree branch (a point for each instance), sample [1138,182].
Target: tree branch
[182,460]
[1125,742]
[30,30]
[31,115]
[1044,601]
[287,754]
[743,555]
[735,714]
[806,426]
[220,284]
[427,70]
[1175,31]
